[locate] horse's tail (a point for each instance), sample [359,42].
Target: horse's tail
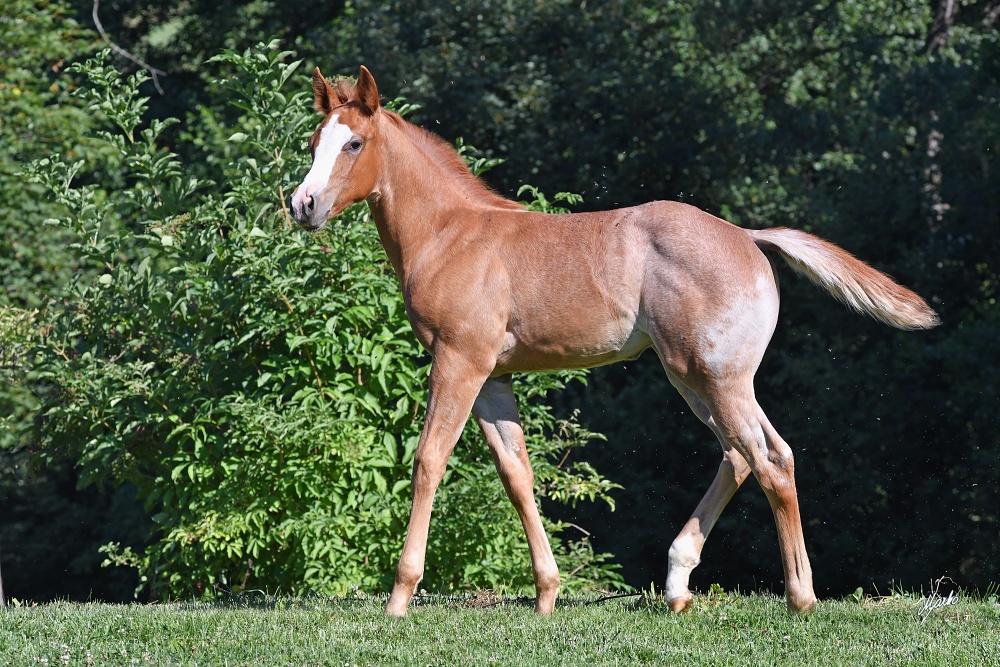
[848,279]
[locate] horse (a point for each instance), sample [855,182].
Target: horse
[493,289]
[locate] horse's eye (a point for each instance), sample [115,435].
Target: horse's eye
[354,146]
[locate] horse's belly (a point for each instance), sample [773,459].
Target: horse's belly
[572,346]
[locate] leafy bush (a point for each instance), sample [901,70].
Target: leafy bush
[261,386]
[38,117]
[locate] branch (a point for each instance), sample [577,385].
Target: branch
[991,14]
[613,597]
[119,50]
[944,18]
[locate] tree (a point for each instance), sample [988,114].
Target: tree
[41,506]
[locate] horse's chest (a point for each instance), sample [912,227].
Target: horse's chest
[466,313]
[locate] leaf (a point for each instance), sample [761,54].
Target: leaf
[389,443]
[380,482]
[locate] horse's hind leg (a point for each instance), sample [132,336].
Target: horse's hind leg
[496,412]
[745,427]
[685,551]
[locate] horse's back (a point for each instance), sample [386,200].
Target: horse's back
[594,288]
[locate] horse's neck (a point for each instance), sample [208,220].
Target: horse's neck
[413,200]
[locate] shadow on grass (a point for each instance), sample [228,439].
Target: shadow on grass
[479,599]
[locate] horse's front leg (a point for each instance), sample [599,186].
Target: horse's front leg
[496,412]
[455,382]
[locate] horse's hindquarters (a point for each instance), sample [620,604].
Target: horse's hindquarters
[709,298]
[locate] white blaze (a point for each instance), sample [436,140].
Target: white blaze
[332,139]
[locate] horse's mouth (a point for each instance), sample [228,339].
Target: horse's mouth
[313,221]
[311,226]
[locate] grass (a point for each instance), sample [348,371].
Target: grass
[721,629]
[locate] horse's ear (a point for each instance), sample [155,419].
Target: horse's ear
[367,91]
[324,93]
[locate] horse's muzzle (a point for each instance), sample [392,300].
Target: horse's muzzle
[303,210]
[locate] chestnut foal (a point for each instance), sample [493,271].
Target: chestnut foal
[492,289]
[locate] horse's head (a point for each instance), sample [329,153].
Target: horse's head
[345,163]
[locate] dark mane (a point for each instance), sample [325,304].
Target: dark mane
[445,155]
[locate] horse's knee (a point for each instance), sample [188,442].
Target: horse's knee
[428,469]
[769,457]
[776,468]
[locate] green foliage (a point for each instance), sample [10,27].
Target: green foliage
[38,117]
[49,532]
[259,386]
[16,333]
[16,327]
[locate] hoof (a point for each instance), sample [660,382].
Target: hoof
[801,607]
[681,604]
[544,609]
[395,611]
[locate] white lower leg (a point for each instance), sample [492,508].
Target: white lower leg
[684,556]
[685,552]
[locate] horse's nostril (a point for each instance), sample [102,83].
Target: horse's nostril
[310,203]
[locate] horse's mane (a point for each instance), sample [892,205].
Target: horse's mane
[342,88]
[445,156]
[436,149]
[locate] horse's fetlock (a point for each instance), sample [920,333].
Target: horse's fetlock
[683,554]
[548,580]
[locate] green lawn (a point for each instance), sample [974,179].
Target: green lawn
[720,630]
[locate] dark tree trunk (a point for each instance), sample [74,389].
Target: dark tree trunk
[3,600]
[944,18]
